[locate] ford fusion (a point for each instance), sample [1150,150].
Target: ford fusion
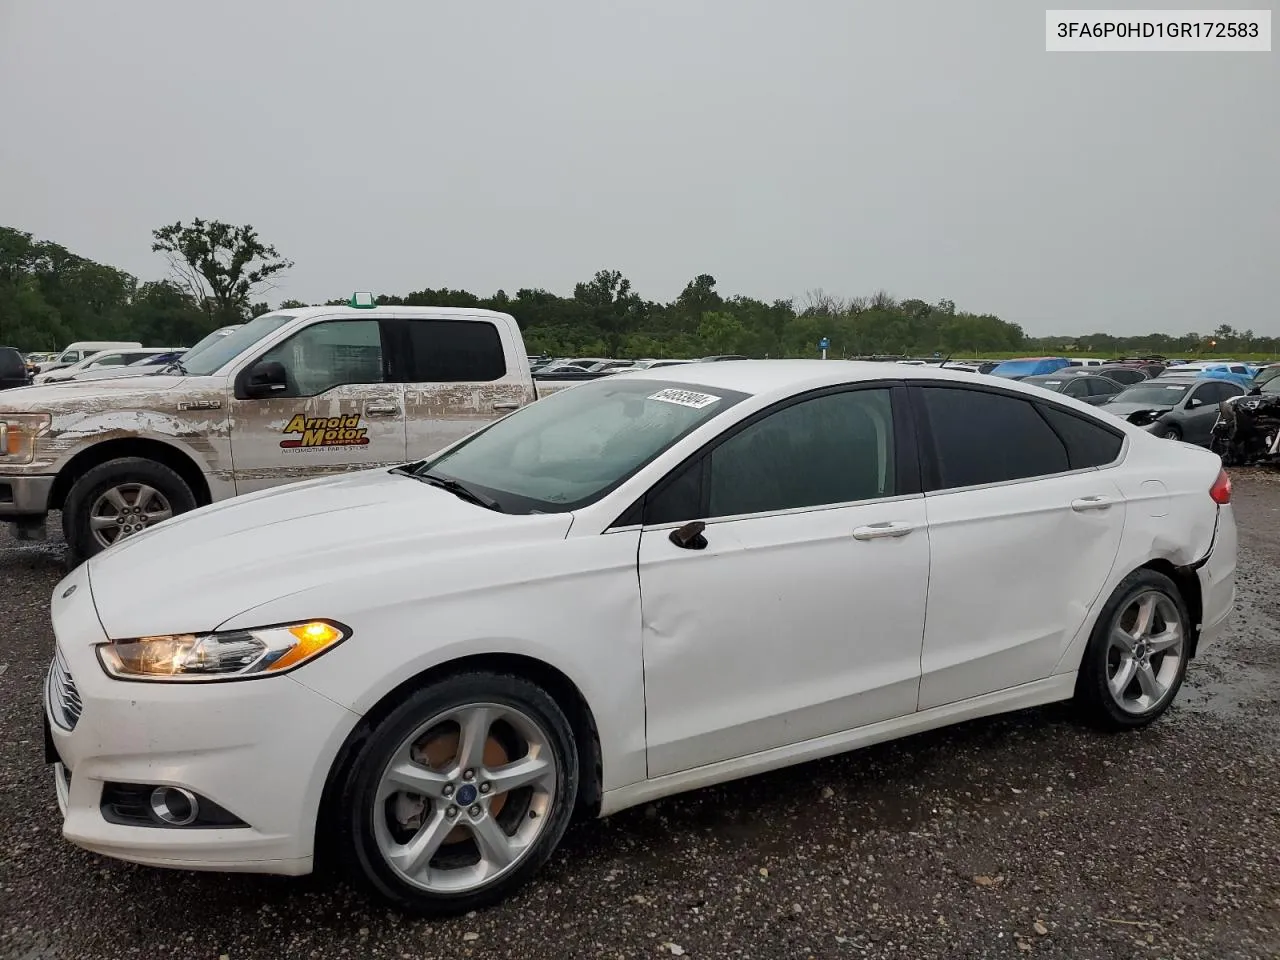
[645,584]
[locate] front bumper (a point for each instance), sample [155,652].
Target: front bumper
[22,497]
[261,749]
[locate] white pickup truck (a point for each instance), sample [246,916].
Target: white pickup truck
[291,395]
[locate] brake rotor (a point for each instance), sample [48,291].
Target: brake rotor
[439,752]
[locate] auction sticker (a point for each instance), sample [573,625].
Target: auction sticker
[685,398]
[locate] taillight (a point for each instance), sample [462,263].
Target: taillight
[1221,489]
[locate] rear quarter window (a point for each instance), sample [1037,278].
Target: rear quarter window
[1088,443]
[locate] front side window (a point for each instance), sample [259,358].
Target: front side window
[836,448]
[981,438]
[1077,388]
[1204,394]
[571,448]
[455,351]
[71,356]
[1100,387]
[328,355]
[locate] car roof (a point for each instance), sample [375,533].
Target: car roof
[461,313]
[793,376]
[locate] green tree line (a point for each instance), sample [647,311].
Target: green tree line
[50,296]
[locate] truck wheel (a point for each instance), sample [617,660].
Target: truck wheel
[119,498]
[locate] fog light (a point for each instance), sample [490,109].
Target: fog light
[175,806]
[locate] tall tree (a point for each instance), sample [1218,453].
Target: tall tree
[221,266]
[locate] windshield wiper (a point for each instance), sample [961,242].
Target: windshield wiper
[458,489]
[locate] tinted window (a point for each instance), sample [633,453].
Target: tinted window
[1101,387]
[1089,444]
[1077,388]
[1205,393]
[327,355]
[831,449]
[448,351]
[989,438]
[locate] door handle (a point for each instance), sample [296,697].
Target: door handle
[381,409]
[879,531]
[1091,503]
[507,405]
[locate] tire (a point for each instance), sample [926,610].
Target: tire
[1171,433]
[370,832]
[1134,706]
[129,477]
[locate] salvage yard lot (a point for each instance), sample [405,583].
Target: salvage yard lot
[1025,835]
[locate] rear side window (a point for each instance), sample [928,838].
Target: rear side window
[981,437]
[452,351]
[1089,444]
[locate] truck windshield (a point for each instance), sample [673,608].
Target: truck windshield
[571,448]
[215,356]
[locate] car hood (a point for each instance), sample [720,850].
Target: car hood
[200,569]
[79,394]
[1124,410]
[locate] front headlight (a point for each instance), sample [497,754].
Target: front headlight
[231,655]
[18,433]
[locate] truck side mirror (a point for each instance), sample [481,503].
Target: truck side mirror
[266,379]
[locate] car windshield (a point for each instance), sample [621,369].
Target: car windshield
[1155,394]
[203,343]
[571,448]
[215,357]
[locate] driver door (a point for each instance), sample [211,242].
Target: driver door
[802,615]
[339,409]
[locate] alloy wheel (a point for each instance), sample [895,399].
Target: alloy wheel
[1145,652]
[126,509]
[465,797]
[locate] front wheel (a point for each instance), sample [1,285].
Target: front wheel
[120,498]
[1170,433]
[1137,654]
[460,794]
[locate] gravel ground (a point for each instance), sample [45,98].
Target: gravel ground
[1022,835]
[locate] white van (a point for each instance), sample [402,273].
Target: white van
[77,351]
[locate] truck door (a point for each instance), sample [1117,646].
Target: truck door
[461,374]
[339,410]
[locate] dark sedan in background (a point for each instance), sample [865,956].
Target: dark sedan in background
[1085,386]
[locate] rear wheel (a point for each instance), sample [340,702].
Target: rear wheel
[1137,655]
[460,794]
[118,499]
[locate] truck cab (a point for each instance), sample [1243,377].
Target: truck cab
[291,395]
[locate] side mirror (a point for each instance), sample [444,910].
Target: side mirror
[1194,402]
[266,379]
[1255,392]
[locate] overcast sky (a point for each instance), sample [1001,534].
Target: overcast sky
[932,149]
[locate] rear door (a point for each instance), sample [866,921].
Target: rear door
[341,410]
[1023,532]
[457,378]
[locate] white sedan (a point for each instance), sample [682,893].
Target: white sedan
[650,583]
